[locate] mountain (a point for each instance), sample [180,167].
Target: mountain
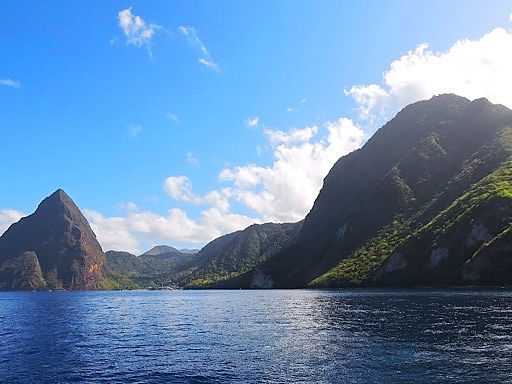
[54,248]
[232,256]
[159,250]
[426,201]
[153,268]
[216,265]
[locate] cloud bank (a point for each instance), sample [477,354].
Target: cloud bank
[470,68]
[281,192]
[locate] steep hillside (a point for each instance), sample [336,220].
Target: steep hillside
[53,248]
[221,260]
[151,269]
[410,171]
[233,255]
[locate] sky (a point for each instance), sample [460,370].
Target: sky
[172,122]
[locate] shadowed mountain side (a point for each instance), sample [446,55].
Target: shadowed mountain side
[53,248]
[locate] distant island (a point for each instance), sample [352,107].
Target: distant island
[427,201]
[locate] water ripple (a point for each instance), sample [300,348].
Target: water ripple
[359,336]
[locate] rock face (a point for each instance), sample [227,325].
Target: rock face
[54,248]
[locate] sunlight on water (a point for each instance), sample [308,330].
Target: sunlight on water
[256,336]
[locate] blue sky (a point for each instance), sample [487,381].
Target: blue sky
[174,122]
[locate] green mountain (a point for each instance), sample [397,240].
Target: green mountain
[54,248]
[152,269]
[426,201]
[160,250]
[224,260]
[216,265]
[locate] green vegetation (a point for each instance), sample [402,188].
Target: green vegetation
[225,258]
[356,269]
[492,193]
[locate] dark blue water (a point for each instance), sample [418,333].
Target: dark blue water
[256,337]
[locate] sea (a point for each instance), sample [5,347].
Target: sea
[265,336]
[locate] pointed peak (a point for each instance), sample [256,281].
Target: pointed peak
[59,194]
[59,198]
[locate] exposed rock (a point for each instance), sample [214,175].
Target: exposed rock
[393,263]
[478,234]
[261,280]
[340,233]
[437,255]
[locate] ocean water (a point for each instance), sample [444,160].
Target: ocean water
[282,336]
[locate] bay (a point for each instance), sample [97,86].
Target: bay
[274,336]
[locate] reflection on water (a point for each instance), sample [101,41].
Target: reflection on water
[353,336]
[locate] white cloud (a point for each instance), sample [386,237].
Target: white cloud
[368,97]
[252,122]
[126,233]
[8,217]
[191,159]
[112,232]
[191,34]
[286,190]
[180,188]
[10,83]
[136,30]
[470,68]
[282,192]
[510,17]
[294,135]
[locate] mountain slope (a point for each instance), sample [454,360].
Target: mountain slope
[227,257]
[160,250]
[410,170]
[54,247]
[233,255]
[149,270]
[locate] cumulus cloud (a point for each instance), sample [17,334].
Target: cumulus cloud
[281,192]
[128,232]
[192,36]
[112,232]
[136,30]
[470,68]
[292,136]
[10,83]
[180,188]
[286,190]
